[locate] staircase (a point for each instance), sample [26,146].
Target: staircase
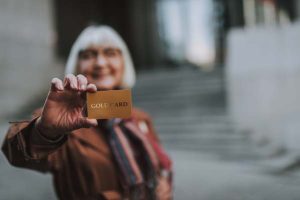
[188,107]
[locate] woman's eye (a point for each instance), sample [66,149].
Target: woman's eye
[85,55]
[111,52]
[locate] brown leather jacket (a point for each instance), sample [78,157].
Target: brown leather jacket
[81,163]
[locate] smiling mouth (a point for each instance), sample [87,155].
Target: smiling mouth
[99,75]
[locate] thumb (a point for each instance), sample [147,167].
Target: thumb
[86,122]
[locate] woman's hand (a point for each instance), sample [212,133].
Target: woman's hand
[164,189]
[63,108]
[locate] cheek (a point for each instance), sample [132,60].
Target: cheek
[118,66]
[85,66]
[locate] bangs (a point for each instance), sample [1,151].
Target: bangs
[98,38]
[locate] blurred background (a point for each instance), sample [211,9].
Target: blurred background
[219,78]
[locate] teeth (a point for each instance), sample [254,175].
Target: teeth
[99,75]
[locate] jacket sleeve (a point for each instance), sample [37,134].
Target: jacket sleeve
[24,147]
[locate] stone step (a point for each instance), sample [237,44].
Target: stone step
[177,107]
[177,74]
[166,110]
[195,137]
[181,96]
[195,122]
[206,145]
[200,119]
[194,128]
[188,108]
[226,152]
[207,108]
[183,84]
[219,148]
[177,88]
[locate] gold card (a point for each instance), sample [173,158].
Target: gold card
[109,104]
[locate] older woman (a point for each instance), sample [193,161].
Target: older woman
[89,158]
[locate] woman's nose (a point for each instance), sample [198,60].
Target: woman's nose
[101,61]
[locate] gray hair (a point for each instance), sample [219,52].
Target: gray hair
[99,35]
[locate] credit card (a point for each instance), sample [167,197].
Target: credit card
[109,104]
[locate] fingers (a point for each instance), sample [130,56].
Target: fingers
[91,88]
[70,82]
[82,82]
[84,122]
[164,189]
[73,83]
[78,83]
[56,85]
[91,122]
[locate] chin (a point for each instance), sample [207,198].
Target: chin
[105,87]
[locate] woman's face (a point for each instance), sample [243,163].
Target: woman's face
[102,65]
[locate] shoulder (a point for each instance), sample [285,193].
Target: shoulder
[144,121]
[139,114]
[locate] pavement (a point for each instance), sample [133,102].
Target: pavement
[201,176]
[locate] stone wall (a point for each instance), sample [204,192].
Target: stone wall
[27,64]
[263,78]
[27,61]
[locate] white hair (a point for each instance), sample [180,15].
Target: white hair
[99,35]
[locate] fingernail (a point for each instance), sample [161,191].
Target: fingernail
[74,86]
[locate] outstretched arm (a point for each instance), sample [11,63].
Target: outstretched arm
[32,144]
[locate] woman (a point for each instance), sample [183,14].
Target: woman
[89,158]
